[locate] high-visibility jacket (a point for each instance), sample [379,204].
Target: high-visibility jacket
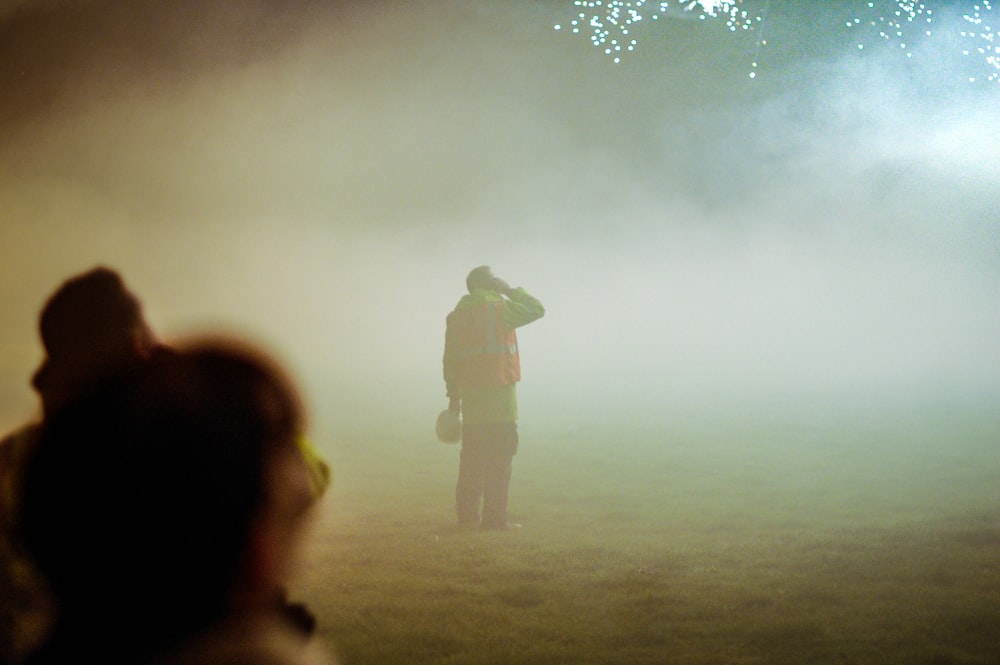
[483,347]
[493,402]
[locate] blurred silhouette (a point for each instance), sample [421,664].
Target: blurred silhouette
[481,371]
[163,508]
[92,325]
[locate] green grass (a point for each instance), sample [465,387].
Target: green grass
[821,540]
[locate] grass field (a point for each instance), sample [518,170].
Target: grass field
[693,538]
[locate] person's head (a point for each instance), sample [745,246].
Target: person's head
[480,278]
[91,325]
[168,494]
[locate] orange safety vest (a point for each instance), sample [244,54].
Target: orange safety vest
[483,347]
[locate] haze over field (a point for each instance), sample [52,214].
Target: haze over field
[322,175]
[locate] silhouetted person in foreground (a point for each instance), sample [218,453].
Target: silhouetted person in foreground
[163,508]
[481,371]
[90,327]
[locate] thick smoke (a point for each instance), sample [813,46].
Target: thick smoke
[323,175]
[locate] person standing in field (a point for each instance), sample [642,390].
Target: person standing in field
[481,371]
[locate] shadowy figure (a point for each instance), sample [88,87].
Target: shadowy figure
[91,326]
[481,371]
[163,508]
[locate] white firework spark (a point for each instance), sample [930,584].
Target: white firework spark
[610,23]
[981,31]
[898,24]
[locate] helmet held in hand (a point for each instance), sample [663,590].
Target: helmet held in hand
[449,427]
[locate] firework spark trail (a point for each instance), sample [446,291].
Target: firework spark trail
[761,40]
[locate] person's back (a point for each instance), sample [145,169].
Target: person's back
[481,370]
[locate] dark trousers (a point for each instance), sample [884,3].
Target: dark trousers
[484,473]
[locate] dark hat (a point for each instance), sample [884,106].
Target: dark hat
[479,278]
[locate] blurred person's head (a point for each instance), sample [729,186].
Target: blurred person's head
[91,325]
[167,498]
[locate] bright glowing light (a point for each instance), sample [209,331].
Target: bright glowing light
[610,22]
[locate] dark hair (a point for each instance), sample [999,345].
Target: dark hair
[94,307]
[88,325]
[141,494]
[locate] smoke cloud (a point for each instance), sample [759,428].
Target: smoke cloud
[322,175]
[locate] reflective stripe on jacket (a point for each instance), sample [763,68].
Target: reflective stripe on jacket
[482,346]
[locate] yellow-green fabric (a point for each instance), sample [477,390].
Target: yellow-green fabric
[491,404]
[319,471]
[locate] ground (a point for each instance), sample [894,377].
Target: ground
[829,538]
